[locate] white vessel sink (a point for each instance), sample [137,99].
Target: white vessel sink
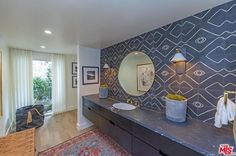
[123,106]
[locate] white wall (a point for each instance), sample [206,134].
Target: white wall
[71,93]
[86,57]
[5,120]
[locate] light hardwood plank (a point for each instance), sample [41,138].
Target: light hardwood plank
[57,129]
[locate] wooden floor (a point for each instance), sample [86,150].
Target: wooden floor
[57,129]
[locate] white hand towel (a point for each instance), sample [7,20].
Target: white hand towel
[218,123]
[224,112]
[231,110]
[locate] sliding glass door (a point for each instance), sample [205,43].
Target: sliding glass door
[42,84]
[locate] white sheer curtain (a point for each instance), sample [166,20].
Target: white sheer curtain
[21,78]
[58,84]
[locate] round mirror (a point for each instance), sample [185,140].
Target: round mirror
[136,73]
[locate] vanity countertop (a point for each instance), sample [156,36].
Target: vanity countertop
[196,135]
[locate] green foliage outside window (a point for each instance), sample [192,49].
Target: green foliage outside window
[43,91]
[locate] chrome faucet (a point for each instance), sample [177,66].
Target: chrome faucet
[226,94]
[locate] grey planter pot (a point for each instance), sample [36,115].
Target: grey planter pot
[103,93]
[176,110]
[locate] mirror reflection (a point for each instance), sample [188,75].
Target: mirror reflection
[136,73]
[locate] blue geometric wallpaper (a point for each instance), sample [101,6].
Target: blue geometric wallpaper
[209,38]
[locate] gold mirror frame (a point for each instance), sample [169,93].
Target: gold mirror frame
[131,68]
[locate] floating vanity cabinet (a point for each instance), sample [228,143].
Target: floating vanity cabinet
[108,127]
[135,138]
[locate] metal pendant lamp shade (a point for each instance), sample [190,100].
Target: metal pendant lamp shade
[106,66]
[180,61]
[178,57]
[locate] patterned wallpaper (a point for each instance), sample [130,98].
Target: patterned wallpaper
[209,38]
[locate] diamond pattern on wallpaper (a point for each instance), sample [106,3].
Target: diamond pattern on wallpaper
[153,37]
[186,26]
[218,20]
[209,38]
[165,47]
[166,73]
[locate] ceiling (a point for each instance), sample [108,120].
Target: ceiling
[92,23]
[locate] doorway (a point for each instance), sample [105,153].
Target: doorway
[42,84]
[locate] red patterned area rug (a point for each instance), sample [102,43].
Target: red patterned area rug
[92,143]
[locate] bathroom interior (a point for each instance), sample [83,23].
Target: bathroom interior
[149,82]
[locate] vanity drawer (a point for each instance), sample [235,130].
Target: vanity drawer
[161,143]
[122,137]
[120,121]
[139,148]
[91,105]
[91,115]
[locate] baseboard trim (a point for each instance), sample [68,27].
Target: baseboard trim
[84,125]
[8,129]
[70,108]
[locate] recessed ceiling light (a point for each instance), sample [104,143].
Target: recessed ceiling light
[48,32]
[43,47]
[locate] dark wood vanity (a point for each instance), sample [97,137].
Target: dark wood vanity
[134,137]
